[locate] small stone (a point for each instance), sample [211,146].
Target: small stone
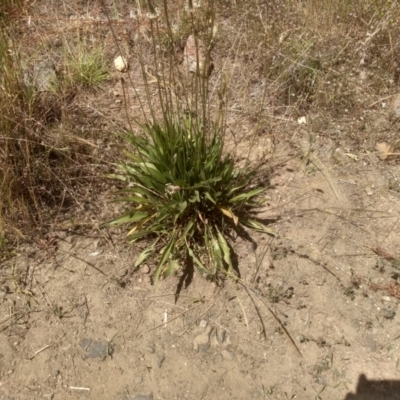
[55,372]
[160,360]
[96,348]
[369,192]
[122,273]
[221,335]
[138,379]
[302,120]
[203,324]
[386,298]
[150,349]
[227,355]
[146,269]
[121,64]
[202,341]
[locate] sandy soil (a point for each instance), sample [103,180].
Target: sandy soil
[315,310]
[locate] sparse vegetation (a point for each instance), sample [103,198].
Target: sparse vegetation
[299,112]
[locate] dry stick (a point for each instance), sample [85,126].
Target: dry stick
[389,342]
[246,321]
[179,315]
[157,301]
[39,351]
[237,333]
[86,262]
[279,323]
[315,160]
[169,344]
[273,315]
[258,313]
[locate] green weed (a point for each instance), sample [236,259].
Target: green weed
[87,67]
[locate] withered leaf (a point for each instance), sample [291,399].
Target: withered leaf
[384,150]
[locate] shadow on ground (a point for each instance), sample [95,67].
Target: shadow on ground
[375,390]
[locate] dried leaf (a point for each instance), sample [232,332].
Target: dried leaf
[384,150]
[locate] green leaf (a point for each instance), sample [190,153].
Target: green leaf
[164,257]
[182,206]
[258,226]
[246,196]
[201,266]
[134,199]
[226,250]
[151,169]
[173,266]
[217,253]
[148,251]
[130,217]
[208,196]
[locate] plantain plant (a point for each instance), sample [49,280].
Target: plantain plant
[185,194]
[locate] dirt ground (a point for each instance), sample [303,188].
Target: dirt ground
[317,310]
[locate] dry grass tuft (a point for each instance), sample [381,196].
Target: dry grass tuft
[38,158]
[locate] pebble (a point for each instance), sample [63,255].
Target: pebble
[203,324]
[221,335]
[121,64]
[160,360]
[122,273]
[146,269]
[202,341]
[55,372]
[138,379]
[95,348]
[150,349]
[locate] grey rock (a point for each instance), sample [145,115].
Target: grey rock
[221,335]
[150,349]
[43,77]
[202,341]
[122,273]
[95,348]
[160,360]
